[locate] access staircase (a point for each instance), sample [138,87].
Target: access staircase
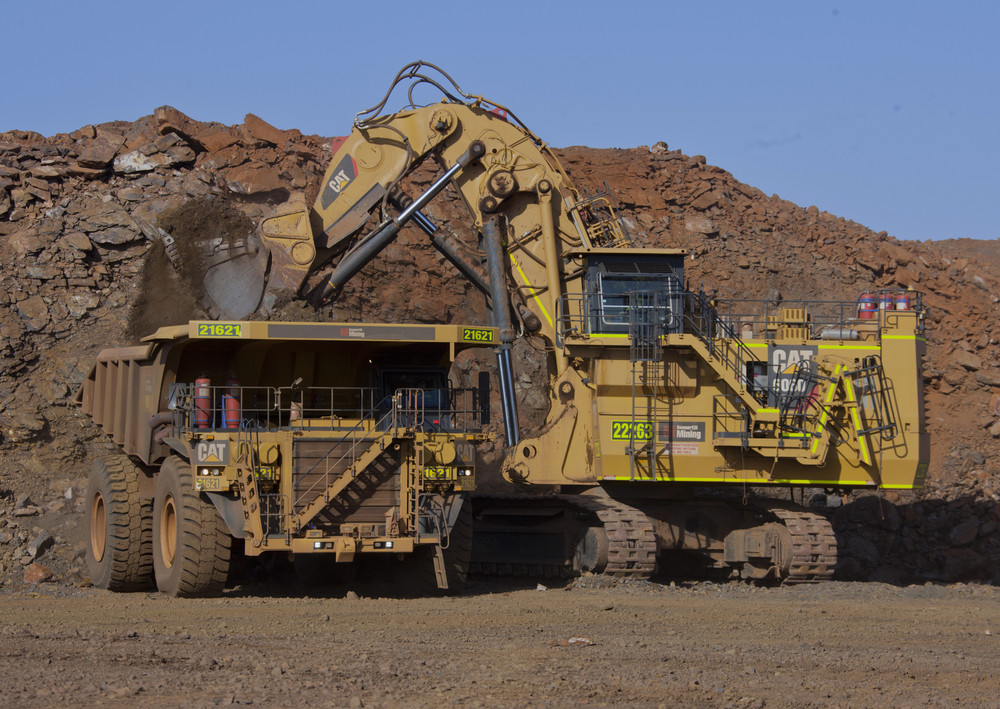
[351,457]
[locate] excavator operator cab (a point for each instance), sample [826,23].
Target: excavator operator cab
[626,291]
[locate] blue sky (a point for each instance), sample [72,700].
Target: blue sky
[881,112]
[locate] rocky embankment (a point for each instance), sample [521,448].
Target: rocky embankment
[81,220]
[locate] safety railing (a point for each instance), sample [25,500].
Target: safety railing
[875,399]
[591,315]
[198,406]
[862,318]
[730,419]
[797,397]
[341,455]
[405,412]
[597,221]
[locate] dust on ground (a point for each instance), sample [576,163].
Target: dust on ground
[593,642]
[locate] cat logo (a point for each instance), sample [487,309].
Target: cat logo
[216,452]
[338,181]
[785,359]
[790,370]
[340,178]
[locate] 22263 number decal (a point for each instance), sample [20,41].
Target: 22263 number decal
[631,430]
[475,334]
[219,329]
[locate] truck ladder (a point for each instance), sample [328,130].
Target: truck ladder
[645,328]
[257,507]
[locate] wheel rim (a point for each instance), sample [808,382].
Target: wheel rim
[168,531]
[98,526]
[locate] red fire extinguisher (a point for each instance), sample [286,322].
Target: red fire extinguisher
[232,414]
[202,402]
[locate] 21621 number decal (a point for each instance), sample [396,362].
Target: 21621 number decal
[476,334]
[219,329]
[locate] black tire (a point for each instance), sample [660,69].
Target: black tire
[120,527]
[191,542]
[419,568]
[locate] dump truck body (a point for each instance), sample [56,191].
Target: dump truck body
[309,438]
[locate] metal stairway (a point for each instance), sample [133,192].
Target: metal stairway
[645,329]
[364,444]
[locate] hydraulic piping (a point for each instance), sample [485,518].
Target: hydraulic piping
[501,320]
[357,258]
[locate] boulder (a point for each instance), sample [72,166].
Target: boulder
[35,313]
[37,573]
[967,360]
[39,544]
[989,377]
[77,240]
[248,179]
[170,121]
[100,151]
[115,236]
[965,532]
[700,225]
[261,130]
[149,158]
[219,139]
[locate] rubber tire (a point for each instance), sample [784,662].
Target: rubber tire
[192,546]
[119,527]
[419,568]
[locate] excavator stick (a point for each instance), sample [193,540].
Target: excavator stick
[357,258]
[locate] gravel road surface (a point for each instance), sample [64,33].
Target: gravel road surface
[593,642]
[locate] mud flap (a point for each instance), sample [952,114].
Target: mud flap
[231,511]
[440,574]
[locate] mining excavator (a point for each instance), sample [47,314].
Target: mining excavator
[678,422]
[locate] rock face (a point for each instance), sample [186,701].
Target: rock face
[81,226]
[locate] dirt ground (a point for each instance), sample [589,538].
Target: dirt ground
[592,642]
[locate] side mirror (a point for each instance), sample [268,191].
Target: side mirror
[174,392]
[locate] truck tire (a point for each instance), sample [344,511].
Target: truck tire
[191,542]
[457,557]
[120,527]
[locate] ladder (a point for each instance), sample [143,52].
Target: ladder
[646,319]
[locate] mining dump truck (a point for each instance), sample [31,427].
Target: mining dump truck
[326,441]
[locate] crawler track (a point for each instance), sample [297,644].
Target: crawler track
[814,546]
[631,544]
[631,539]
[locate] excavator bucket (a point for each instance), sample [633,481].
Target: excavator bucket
[234,286]
[241,280]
